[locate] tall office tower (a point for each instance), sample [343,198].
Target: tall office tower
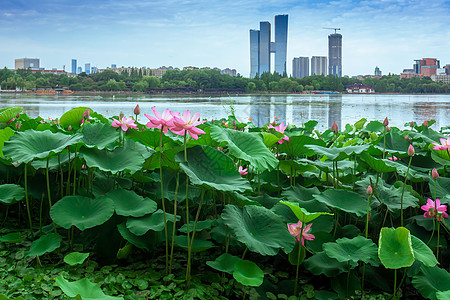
[377,71]
[335,54]
[264,47]
[254,53]
[113,66]
[87,68]
[319,65]
[300,67]
[281,34]
[74,65]
[261,47]
[79,70]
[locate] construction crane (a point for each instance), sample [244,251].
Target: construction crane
[335,29]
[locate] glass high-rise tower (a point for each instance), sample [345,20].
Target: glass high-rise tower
[74,66]
[335,54]
[261,47]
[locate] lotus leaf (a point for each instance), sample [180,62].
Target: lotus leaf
[260,229]
[129,204]
[345,200]
[379,165]
[224,263]
[11,193]
[356,249]
[29,145]
[395,248]
[210,168]
[430,281]
[8,113]
[82,288]
[13,237]
[321,263]
[246,146]
[443,295]
[81,212]
[248,273]
[155,222]
[422,252]
[346,285]
[338,153]
[73,117]
[46,243]
[198,245]
[148,241]
[5,134]
[296,146]
[75,258]
[99,136]
[201,225]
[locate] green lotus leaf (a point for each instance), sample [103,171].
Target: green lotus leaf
[118,160]
[199,245]
[224,263]
[443,295]
[53,162]
[374,126]
[246,146]
[8,113]
[442,187]
[149,138]
[73,117]
[346,285]
[300,193]
[75,258]
[82,288]
[11,193]
[321,263]
[128,203]
[210,168]
[296,146]
[414,173]
[248,273]
[3,297]
[44,244]
[201,225]
[5,134]
[29,145]
[396,144]
[395,248]
[295,167]
[378,165]
[269,139]
[81,212]
[302,214]
[13,237]
[345,200]
[355,249]
[441,157]
[422,252]
[338,153]
[149,241]
[99,136]
[431,280]
[155,222]
[260,229]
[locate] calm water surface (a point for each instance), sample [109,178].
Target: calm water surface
[294,109]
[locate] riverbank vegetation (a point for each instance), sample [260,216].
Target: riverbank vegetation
[166,205]
[209,80]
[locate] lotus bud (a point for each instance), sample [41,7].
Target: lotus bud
[121,115]
[407,138]
[388,128]
[212,121]
[86,114]
[434,174]
[411,150]
[425,123]
[70,128]
[386,122]
[234,123]
[18,116]
[412,124]
[369,190]
[18,124]
[334,128]
[137,110]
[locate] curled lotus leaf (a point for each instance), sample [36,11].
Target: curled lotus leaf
[83,289]
[129,204]
[248,273]
[11,193]
[44,244]
[395,248]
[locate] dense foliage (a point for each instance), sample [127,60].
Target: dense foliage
[209,80]
[186,209]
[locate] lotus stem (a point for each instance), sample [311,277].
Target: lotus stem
[384,142]
[40,213]
[48,186]
[74,173]
[193,234]
[298,260]
[438,240]
[348,277]
[395,283]
[61,174]
[26,197]
[403,191]
[174,222]
[162,200]
[367,216]
[68,177]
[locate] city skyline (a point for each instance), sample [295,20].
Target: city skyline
[384,33]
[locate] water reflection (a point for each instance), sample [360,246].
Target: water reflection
[293,109]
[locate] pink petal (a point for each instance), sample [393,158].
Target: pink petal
[157,114]
[124,127]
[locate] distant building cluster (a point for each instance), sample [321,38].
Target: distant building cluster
[428,67]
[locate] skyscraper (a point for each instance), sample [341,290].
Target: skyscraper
[74,65]
[300,67]
[281,34]
[79,70]
[319,65]
[87,68]
[261,47]
[335,54]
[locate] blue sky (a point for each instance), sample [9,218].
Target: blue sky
[385,33]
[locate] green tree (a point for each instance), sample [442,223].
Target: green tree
[112,85]
[251,86]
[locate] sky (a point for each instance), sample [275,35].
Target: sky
[389,34]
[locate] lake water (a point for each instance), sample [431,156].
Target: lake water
[293,109]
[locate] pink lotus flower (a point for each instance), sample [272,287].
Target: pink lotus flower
[165,120]
[296,228]
[444,145]
[280,128]
[124,123]
[407,138]
[431,207]
[86,114]
[393,158]
[187,123]
[243,171]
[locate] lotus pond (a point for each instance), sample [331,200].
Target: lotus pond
[166,206]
